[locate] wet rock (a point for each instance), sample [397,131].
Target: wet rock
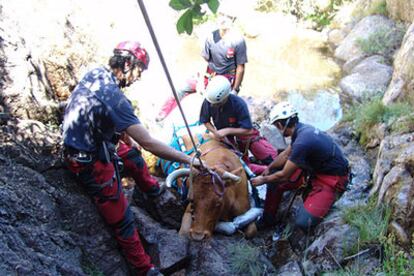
[361,169]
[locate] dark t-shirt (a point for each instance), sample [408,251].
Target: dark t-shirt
[96,110]
[223,55]
[314,150]
[234,113]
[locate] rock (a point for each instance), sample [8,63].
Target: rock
[216,256]
[329,249]
[272,134]
[43,230]
[349,48]
[167,208]
[168,250]
[336,36]
[290,269]
[367,79]
[361,169]
[393,181]
[402,83]
[401,10]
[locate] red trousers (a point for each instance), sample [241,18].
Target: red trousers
[325,189]
[261,149]
[99,180]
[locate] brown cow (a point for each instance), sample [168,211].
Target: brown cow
[213,199]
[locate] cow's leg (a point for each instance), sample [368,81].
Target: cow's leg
[186,222]
[250,231]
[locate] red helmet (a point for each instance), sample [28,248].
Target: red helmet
[134,48]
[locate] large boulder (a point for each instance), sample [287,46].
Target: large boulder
[402,84]
[401,10]
[369,78]
[394,182]
[349,49]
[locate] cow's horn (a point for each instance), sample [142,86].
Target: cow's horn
[228,175]
[175,174]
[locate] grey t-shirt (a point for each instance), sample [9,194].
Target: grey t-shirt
[224,54]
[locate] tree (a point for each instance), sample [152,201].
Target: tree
[192,11]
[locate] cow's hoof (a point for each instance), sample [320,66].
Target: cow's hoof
[250,231]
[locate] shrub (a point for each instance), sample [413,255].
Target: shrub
[244,260]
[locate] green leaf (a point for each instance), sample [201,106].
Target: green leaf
[180,4]
[199,2]
[196,9]
[213,5]
[185,22]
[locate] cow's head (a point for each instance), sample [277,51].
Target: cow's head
[207,196]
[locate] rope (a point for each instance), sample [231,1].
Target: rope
[167,73]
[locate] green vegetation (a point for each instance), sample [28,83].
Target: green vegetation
[192,12]
[404,124]
[397,261]
[370,113]
[382,42]
[321,16]
[244,260]
[372,220]
[370,8]
[378,7]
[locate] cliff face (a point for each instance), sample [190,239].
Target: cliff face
[401,10]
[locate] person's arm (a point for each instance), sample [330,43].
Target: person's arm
[280,160]
[234,131]
[141,135]
[239,77]
[279,176]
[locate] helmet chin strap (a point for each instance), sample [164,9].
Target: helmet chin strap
[284,130]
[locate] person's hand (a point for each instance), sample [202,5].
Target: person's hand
[197,164]
[266,171]
[257,181]
[216,135]
[221,134]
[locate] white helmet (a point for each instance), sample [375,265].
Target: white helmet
[282,110]
[218,89]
